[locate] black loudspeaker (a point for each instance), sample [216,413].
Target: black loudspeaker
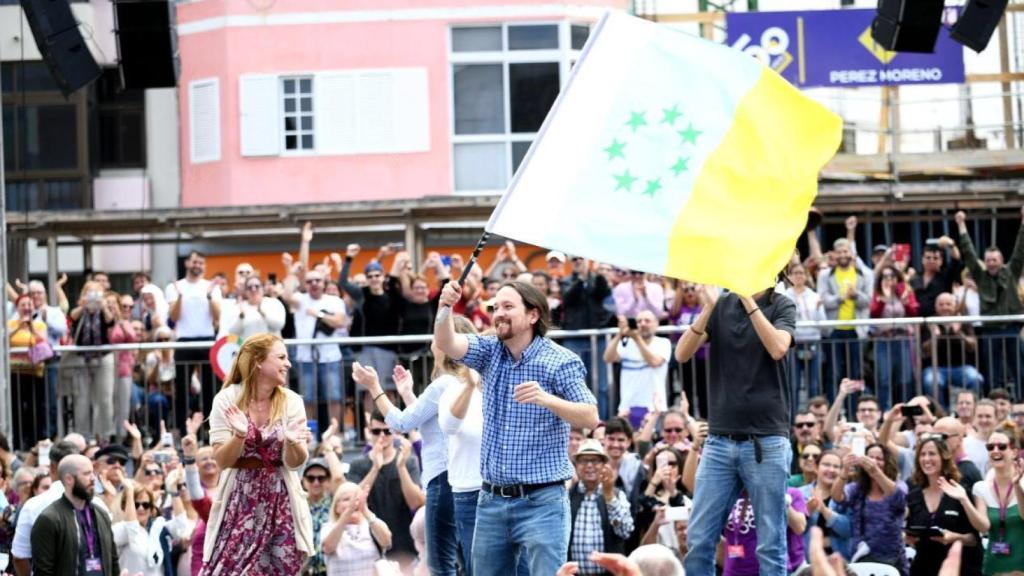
[147,43]
[907,25]
[60,43]
[977,22]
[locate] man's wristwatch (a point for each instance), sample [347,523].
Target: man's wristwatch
[321,315]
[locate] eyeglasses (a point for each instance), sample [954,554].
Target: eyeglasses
[115,461]
[672,430]
[144,505]
[127,306]
[379,431]
[153,472]
[810,456]
[804,424]
[1001,446]
[589,461]
[317,478]
[244,272]
[254,287]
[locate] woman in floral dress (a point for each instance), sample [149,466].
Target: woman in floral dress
[260,523]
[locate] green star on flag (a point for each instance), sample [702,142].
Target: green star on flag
[652,187]
[680,165]
[636,120]
[615,149]
[625,181]
[669,115]
[690,134]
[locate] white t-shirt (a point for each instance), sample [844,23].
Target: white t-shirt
[641,384]
[464,437]
[268,317]
[356,551]
[305,327]
[977,453]
[195,320]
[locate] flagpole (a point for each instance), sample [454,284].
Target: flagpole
[472,259]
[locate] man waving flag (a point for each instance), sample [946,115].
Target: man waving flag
[671,154]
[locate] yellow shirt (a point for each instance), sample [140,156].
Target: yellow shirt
[846,277]
[21,337]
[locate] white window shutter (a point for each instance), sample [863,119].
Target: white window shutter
[334,99]
[259,107]
[204,120]
[412,110]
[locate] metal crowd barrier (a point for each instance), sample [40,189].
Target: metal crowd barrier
[81,388]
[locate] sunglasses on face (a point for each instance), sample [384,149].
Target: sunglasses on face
[1001,446]
[115,461]
[317,478]
[152,472]
[672,430]
[379,431]
[811,456]
[144,505]
[804,425]
[126,305]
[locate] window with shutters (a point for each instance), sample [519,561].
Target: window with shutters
[504,79]
[297,114]
[204,120]
[333,112]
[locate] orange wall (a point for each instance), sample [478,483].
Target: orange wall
[265,262]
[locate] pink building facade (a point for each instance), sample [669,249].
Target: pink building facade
[311,101]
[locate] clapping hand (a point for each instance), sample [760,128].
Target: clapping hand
[403,380]
[366,376]
[530,393]
[132,430]
[297,433]
[237,421]
[708,295]
[193,423]
[607,477]
[404,450]
[952,489]
[327,435]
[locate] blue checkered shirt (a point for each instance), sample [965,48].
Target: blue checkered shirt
[525,443]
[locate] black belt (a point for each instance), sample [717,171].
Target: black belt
[517,490]
[758,454]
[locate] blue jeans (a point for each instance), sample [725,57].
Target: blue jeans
[465,523]
[805,364]
[725,467]
[843,358]
[440,527]
[328,382]
[965,376]
[892,357]
[581,347]
[507,529]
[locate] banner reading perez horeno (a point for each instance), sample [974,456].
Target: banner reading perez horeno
[834,48]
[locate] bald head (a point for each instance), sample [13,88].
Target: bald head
[77,439]
[72,465]
[945,304]
[954,431]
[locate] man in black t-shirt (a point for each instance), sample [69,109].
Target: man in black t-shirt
[748,443]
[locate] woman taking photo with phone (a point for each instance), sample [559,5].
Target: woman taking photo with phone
[998,498]
[940,513]
[877,502]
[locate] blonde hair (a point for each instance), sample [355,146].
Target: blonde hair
[245,372]
[443,364]
[337,496]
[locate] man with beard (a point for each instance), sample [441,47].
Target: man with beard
[805,431]
[194,304]
[846,293]
[73,536]
[533,391]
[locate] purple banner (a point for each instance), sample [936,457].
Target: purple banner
[834,48]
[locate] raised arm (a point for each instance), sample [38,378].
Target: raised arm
[454,345]
[970,256]
[1016,263]
[775,340]
[832,418]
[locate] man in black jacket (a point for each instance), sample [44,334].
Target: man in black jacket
[601,520]
[583,296]
[72,536]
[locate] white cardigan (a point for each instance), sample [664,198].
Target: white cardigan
[220,432]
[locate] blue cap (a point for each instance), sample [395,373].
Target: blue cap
[374,266]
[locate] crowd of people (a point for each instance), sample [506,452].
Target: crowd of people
[895,481]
